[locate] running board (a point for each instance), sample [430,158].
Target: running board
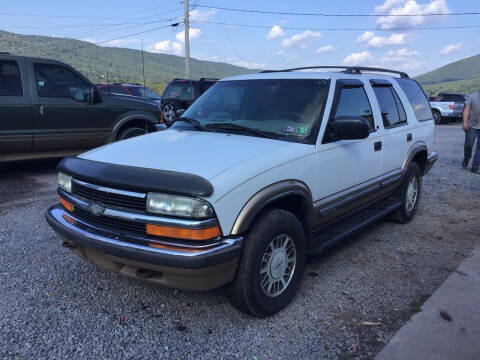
[337,232]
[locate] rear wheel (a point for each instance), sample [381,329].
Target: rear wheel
[272,265]
[437,117]
[130,132]
[409,195]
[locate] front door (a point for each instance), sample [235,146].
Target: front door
[65,116]
[15,110]
[348,170]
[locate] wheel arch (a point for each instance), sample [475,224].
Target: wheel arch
[133,119]
[417,154]
[290,195]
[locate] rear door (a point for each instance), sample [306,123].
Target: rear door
[15,109]
[398,132]
[64,116]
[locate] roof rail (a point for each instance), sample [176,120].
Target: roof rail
[4,53]
[348,69]
[208,79]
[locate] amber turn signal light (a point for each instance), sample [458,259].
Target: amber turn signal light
[180,233]
[66,204]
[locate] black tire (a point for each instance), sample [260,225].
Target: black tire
[437,117]
[130,132]
[246,292]
[406,212]
[169,113]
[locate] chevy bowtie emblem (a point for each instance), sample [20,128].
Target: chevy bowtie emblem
[95,209]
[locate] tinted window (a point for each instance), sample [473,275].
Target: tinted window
[10,79]
[58,81]
[388,100]
[353,102]
[181,91]
[118,90]
[417,99]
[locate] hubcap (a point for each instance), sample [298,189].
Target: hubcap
[278,265]
[169,113]
[412,193]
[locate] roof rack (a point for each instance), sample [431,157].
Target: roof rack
[208,79]
[4,53]
[348,69]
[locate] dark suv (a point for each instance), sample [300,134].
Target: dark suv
[48,109]
[180,94]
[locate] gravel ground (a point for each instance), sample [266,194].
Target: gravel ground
[55,306]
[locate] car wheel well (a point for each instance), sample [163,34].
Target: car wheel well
[420,159]
[141,123]
[298,206]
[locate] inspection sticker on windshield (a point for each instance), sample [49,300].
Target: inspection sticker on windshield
[289,129]
[302,130]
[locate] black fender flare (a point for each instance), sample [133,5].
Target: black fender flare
[267,196]
[414,150]
[130,116]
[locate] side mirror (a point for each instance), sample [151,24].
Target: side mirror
[79,95]
[350,128]
[180,112]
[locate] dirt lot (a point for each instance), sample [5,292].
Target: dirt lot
[55,306]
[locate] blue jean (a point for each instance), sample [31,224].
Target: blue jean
[470,136]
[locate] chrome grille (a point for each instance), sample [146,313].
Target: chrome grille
[106,197]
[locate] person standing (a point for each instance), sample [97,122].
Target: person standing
[471,126]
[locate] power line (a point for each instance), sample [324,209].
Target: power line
[334,15]
[348,29]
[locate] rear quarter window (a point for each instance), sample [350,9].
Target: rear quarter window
[10,79]
[417,99]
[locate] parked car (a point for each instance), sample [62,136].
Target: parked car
[180,94]
[263,169]
[447,106]
[137,90]
[48,109]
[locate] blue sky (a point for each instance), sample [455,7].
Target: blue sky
[273,45]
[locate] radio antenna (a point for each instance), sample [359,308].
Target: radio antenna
[144,88]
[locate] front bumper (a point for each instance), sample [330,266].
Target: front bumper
[431,159]
[201,269]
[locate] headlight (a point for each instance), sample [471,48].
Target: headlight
[178,206]
[65,182]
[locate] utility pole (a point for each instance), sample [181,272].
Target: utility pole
[187,40]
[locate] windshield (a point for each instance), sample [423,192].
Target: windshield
[149,93]
[282,109]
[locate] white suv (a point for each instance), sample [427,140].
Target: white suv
[263,170]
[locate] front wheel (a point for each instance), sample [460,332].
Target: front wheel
[131,132]
[409,195]
[272,265]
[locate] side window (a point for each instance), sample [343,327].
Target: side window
[417,99]
[389,104]
[59,82]
[118,90]
[10,79]
[353,102]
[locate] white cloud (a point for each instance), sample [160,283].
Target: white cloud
[199,16]
[375,41]
[301,40]
[248,64]
[357,58]
[275,32]
[451,48]
[323,49]
[167,47]
[193,33]
[409,7]
[367,35]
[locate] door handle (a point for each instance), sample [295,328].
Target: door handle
[409,137]
[377,146]
[41,110]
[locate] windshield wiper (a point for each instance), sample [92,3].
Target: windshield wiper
[232,126]
[193,122]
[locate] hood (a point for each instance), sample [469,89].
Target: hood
[129,101]
[206,154]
